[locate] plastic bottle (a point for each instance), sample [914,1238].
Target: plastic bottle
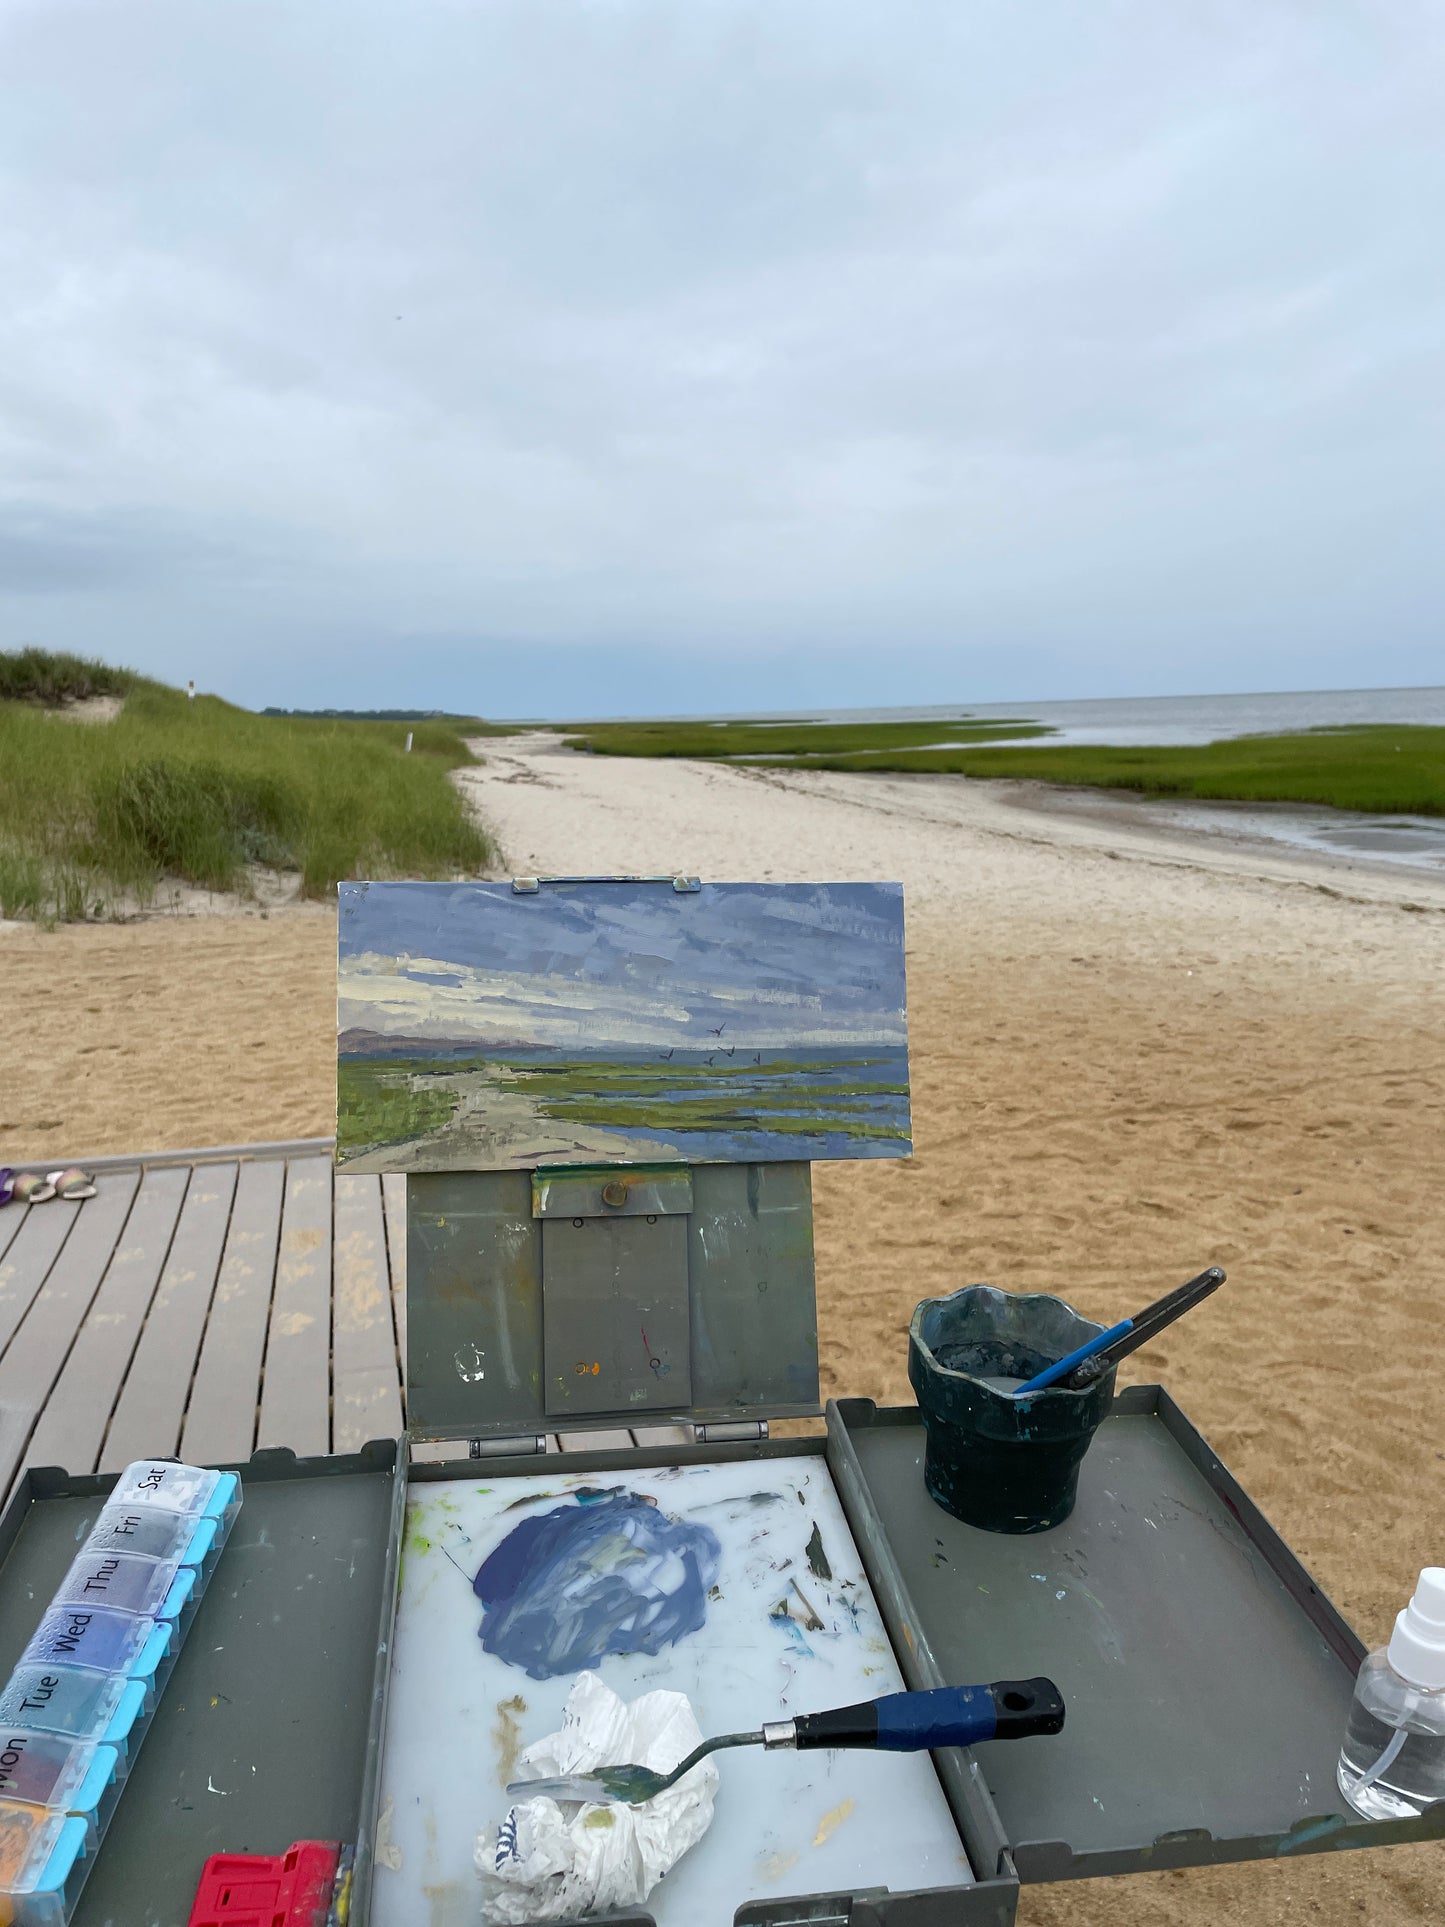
[1392,1764]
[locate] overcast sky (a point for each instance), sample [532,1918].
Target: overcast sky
[731,966]
[607,357]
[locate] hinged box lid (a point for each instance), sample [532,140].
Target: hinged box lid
[520,1322]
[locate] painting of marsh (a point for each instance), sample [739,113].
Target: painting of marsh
[480,1029]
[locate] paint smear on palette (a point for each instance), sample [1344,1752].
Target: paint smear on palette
[610,1574]
[832,1820]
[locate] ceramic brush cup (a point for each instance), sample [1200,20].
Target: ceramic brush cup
[993,1460]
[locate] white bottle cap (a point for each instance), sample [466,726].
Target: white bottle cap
[1417,1645]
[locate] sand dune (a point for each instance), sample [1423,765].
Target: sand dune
[1132,1055]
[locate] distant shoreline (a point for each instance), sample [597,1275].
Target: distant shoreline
[1206,717]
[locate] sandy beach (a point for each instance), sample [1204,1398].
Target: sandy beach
[1134,1053]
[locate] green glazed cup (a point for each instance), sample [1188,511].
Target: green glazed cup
[1006,1464]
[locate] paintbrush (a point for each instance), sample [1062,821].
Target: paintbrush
[1146,1325]
[1079,1369]
[1009,1709]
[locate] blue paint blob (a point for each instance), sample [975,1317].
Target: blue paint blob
[611,1574]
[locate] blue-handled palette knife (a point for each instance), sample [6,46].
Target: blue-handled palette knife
[1009,1709]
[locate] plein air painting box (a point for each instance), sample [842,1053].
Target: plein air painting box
[656,1311]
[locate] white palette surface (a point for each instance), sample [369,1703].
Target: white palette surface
[785,1822]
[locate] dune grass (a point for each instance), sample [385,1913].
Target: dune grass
[1395,768]
[94,818]
[787,741]
[51,677]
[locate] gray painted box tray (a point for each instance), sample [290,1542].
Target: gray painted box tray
[1207,1678]
[266,1731]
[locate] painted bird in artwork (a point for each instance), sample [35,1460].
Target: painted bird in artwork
[732,1051]
[666,1054]
[718,1029]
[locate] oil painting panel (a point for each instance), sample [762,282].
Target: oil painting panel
[482,1029]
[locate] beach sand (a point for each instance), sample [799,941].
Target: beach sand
[1133,1055]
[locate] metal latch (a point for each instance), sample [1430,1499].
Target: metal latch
[525,1447]
[530,886]
[733,1432]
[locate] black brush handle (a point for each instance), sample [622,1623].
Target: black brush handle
[1147,1325]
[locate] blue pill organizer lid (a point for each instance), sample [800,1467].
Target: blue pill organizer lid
[153,1532]
[71,1700]
[120,1582]
[100,1640]
[42,1856]
[104,1770]
[191,1489]
[53,1770]
[158,1650]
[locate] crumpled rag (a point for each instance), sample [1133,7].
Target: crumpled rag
[551,1862]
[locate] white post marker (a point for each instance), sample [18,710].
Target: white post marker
[408,739]
[191,691]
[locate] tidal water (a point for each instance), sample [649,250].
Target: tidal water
[1176,719]
[1417,842]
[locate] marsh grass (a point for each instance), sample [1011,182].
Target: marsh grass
[95,818]
[786,741]
[1396,768]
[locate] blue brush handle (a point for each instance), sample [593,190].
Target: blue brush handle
[946,1716]
[1061,1367]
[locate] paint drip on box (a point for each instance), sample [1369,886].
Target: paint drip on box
[611,1574]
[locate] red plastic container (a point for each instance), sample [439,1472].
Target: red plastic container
[292,1889]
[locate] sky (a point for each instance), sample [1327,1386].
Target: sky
[594,357]
[632,966]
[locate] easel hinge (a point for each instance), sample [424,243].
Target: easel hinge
[733,1432]
[528,1446]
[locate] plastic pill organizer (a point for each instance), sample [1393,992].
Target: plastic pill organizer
[79,1701]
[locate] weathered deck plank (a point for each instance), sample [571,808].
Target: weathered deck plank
[33,1360]
[11,1219]
[152,1404]
[31,1254]
[366,1403]
[207,1305]
[220,1422]
[72,1426]
[296,1387]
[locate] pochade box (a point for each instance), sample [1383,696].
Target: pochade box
[610,1240]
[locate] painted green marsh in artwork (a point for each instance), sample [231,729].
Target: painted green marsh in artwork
[381,1103]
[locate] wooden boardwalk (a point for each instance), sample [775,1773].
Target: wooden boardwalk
[203,1304]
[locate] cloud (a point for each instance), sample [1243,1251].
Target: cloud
[544,354]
